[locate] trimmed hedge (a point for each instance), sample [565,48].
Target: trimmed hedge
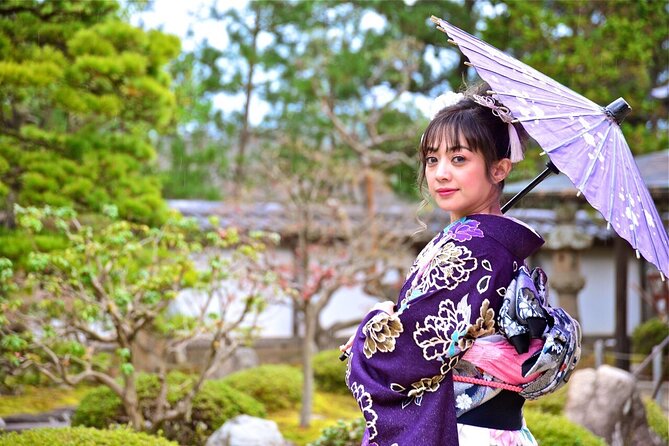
[554,430]
[213,405]
[647,335]
[329,372]
[344,433]
[549,430]
[277,386]
[82,436]
[99,408]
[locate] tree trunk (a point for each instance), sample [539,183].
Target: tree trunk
[131,405]
[307,368]
[10,218]
[370,202]
[244,135]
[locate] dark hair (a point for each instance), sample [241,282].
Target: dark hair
[475,124]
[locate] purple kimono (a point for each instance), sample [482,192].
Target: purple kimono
[400,366]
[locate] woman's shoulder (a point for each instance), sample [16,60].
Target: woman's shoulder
[514,235]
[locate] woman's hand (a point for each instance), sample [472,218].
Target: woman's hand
[387,307]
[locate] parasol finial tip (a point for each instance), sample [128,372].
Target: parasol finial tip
[618,110]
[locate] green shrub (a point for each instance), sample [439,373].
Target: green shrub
[648,335]
[553,430]
[656,419]
[214,404]
[549,430]
[344,433]
[552,404]
[16,245]
[329,372]
[277,386]
[99,408]
[82,436]
[645,336]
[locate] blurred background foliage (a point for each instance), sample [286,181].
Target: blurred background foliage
[348,77]
[95,110]
[98,110]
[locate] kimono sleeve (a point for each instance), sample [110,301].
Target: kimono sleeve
[400,367]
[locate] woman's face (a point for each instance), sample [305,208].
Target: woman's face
[459,182]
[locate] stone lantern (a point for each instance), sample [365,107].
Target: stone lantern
[566,241]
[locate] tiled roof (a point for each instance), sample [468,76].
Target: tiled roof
[654,169]
[400,216]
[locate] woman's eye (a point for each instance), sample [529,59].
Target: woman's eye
[430,160]
[458,159]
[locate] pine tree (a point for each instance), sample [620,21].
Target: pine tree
[81,92]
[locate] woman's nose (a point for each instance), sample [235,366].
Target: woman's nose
[443,172]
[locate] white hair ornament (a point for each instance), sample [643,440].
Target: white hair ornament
[503,113]
[443,101]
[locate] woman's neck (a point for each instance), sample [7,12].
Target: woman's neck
[492,209]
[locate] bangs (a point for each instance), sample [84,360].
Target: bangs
[452,129]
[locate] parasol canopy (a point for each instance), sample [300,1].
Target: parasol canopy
[582,139]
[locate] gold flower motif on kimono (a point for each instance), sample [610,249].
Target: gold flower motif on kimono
[380,333]
[418,389]
[439,336]
[449,364]
[365,402]
[449,268]
[484,326]
[425,385]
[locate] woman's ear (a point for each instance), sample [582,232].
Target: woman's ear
[501,169]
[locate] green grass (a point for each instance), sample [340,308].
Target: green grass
[552,404]
[41,399]
[327,409]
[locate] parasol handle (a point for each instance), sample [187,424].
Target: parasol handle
[550,169]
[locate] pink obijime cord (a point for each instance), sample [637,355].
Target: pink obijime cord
[483,382]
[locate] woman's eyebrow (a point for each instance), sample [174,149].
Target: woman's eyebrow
[457,148]
[454,148]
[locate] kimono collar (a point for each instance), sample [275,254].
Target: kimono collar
[520,239]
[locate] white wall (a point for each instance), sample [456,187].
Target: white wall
[596,301]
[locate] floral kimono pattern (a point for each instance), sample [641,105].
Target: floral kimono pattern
[400,367]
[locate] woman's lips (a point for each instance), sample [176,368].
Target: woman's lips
[445,191]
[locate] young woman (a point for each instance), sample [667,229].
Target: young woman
[402,358]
